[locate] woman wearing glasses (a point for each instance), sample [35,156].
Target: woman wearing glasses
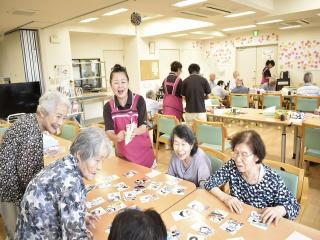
[252,182]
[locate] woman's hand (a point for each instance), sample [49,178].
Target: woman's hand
[91,219]
[234,204]
[121,136]
[273,214]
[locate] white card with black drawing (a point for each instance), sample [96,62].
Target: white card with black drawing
[182,214]
[232,226]
[217,215]
[255,219]
[165,190]
[154,185]
[130,173]
[198,206]
[129,196]
[179,190]
[98,211]
[195,237]
[114,207]
[121,186]
[173,233]
[203,229]
[148,198]
[114,196]
[153,173]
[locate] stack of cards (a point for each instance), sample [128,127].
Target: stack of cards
[256,220]
[217,216]
[231,226]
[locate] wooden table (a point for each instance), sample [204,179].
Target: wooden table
[119,167]
[64,146]
[248,232]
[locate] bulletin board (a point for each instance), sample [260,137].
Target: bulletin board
[149,69]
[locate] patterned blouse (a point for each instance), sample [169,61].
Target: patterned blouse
[271,191]
[53,206]
[21,157]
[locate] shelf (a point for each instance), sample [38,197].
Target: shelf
[88,78]
[84,63]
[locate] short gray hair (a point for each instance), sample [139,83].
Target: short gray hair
[89,143]
[307,78]
[50,100]
[150,94]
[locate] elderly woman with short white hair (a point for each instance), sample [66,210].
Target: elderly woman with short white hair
[53,206]
[21,152]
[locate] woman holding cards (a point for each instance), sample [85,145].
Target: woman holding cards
[252,182]
[125,118]
[53,206]
[188,161]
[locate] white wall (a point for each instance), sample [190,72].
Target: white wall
[11,61]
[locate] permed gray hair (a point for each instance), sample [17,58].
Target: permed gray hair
[50,100]
[89,143]
[307,78]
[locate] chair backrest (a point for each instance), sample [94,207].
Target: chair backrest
[270,100]
[166,123]
[292,176]
[239,100]
[218,159]
[69,130]
[212,133]
[306,103]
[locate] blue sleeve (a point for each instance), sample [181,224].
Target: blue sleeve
[221,176]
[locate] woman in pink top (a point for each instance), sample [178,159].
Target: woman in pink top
[266,74]
[124,110]
[172,101]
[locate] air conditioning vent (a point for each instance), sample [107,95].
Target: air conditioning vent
[24,12]
[206,11]
[294,23]
[303,21]
[216,9]
[193,14]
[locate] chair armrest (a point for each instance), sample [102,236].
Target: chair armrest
[304,198]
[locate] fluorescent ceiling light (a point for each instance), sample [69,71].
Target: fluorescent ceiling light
[88,20]
[188,3]
[204,38]
[199,33]
[238,28]
[151,17]
[240,14]
[179,35]
[288,27]
[217,34]
[114,12]
[270,21]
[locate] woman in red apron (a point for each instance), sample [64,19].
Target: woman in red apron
[125,109]
[266,74]
[172,101]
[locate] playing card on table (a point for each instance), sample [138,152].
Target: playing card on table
[102,185]
[198,206]
[231,226]
[129,196]
[217,215]
[182,214]
[173,233]
[90,187]
[165,190]
[178,190]
[121,186]
[153,173]
[148,198]
[255,219]
[171,180]
[95,202]
[195,237]
[297,236]
[98,211]
[202,229]
[114,196]
[154,185]
[115,206]
[130,173]
[138,191]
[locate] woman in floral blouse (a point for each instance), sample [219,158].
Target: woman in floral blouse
[21,153]
[252,182]
[53,206]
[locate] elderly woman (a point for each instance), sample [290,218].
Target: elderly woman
[188,161]
[252,182]
[21,153]
[138,225]
[53,206]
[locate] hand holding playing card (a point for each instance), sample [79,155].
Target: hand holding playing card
[234,204]
[273,214]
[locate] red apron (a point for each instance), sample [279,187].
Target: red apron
[139,150]
[172,105]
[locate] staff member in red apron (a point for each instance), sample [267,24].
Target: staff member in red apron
[266,74]
[122,110]
[172,85]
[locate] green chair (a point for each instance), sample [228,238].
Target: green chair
[218,159]
[69,130]
[306,103]
[239,100]
[310,147]
[270,100]
[165,125]
[295,181]
[211,134]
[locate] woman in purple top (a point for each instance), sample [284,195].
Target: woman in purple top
[188,161]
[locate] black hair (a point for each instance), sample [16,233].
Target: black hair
[134,224]
[118,68]
[253,140]
[175,66]
[270,62]
[194,68]
[220,83]
[184,132]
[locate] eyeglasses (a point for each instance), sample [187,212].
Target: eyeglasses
[242,155]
